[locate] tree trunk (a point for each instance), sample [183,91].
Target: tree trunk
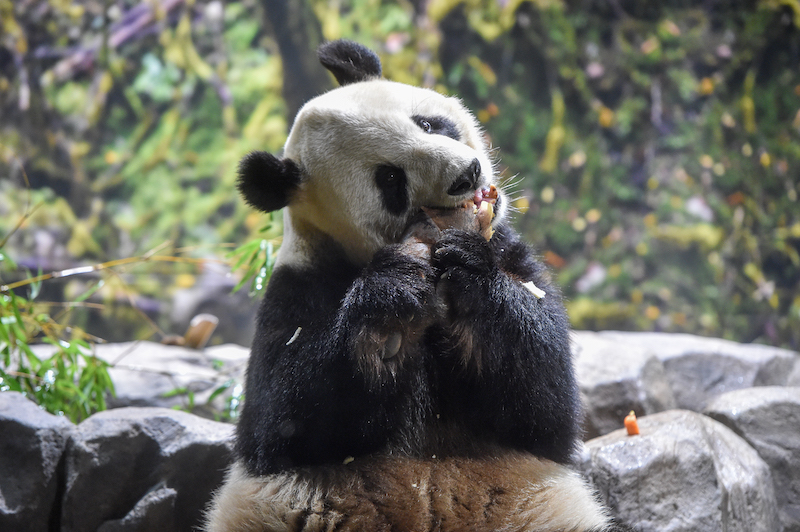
[298,34]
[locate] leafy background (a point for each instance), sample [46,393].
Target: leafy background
[651,148]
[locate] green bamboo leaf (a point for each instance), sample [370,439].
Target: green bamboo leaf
[7,261]
[175,392]
[220,390]
[90,291]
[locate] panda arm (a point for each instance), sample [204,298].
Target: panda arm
[385,311]
[308,399]
[296,396]
[520,388]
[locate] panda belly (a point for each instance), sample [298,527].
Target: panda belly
[508,491]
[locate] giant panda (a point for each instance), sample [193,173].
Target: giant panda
[408,373]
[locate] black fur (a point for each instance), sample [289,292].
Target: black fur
[481,360]
[267,182]
[308,402]
[437,125]
[349,61]
[393,185]
[521,389]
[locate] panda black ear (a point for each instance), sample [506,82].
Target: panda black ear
[267,182]
[349,61]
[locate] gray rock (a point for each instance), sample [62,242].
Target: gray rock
[794,377]
[32,444]
[128,462]
[684,472]
[154,511]
[700,368]
[616,378]
[147,373]
[768,418]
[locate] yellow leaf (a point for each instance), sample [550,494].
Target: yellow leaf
[752,272]
[438,9]
[593,215]
[556,135]
[522,204]
[81,240]
[483,69]
[185,280]
[706,236]
[606,117]
[706,86]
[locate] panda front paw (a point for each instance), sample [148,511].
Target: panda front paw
[387,309]
[465,267]
[381,355]
[463,250]
[400,284]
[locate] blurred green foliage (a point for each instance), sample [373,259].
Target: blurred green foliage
[652,148]
[658,154]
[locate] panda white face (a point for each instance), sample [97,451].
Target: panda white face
[372,154]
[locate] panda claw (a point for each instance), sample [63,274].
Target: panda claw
[392,346]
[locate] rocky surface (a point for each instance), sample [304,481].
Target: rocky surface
[700,368]
[719,447]
[32,444]
[614,381]
[122,462]
[684,472]
[123,469]
[768,418]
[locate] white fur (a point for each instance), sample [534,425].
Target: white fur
[513,492]
[340,137]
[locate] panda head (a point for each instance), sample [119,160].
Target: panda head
[363,159]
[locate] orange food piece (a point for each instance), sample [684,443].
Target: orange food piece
[631,425]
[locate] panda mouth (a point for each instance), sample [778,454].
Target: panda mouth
[475,214]
[483,195]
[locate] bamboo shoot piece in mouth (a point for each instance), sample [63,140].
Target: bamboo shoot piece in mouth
[474,215]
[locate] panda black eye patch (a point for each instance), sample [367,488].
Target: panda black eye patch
[392,183]
[437,125]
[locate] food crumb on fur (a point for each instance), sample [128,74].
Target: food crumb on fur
[535,290]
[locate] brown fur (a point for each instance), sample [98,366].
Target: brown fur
[515,492]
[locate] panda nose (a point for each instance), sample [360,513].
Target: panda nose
[467,181]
